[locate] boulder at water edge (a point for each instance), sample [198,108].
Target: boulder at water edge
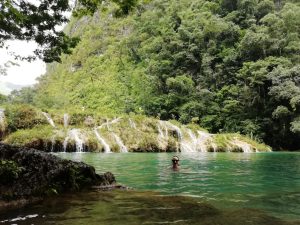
[27,173]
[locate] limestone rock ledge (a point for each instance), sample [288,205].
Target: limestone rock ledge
[28,173]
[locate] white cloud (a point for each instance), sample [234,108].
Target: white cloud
[26,72]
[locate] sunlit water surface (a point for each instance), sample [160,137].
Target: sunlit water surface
[268,182]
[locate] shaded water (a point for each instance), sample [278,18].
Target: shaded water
[221,189]
[133,208]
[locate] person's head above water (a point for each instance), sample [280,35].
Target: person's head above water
[175,161]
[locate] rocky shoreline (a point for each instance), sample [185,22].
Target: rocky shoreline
[28,175]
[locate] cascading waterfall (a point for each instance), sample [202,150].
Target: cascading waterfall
[121,145]
[160,132]
[188,145]
[203,138]
[66,120]
[177,130]
[194,141]
[102,141]
[74,134]
[170,137]
[189,142]
[49,119]
[243,145]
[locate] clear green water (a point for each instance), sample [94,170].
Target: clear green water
[222,188]
[268,181]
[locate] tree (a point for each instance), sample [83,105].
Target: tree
[38,21]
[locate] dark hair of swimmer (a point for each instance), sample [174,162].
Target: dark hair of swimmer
[175,162]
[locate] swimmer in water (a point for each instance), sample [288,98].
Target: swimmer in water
[175,163]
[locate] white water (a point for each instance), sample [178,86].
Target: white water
[203,138]
[188,142]
[243,145]
[194,141]
[121,145]
[132,124]
[160,132]
[102,142]
[49,119]
[2,118]
[66,120]
[177,130]
[65,144]
[52,143]
[75,135]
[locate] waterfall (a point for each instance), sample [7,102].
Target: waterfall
[49,119]
[65,144]
[189,142]
[66,120]
[194,141]
[177,130]
[75,135]
[203,138]
[52,143]
[122,147]
[132,124]
[102,141]
[188,145]
[2,118]
[160,132]
[243,145]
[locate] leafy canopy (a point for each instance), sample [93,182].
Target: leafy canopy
[39,21]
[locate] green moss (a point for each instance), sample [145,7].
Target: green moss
[195,127]
[9,171]
[26,136]
[23,117]
[223,142]
[255,144]
[137,132]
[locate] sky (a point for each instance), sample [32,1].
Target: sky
[26,73]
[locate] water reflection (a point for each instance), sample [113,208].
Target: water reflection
[124,208]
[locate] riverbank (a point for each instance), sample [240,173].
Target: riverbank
[91,132]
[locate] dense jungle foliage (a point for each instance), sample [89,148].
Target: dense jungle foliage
[229,65]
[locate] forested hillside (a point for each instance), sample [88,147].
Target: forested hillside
[228,65]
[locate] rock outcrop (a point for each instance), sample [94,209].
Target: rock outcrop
[27,173]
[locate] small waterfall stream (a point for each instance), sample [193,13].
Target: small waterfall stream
[2,118]
[132,124]
[121,145]
[102,141]
[76,135]
[66,120]
[49,119]
[169,136]
[187,139]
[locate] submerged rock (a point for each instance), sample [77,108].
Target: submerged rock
[31,173]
